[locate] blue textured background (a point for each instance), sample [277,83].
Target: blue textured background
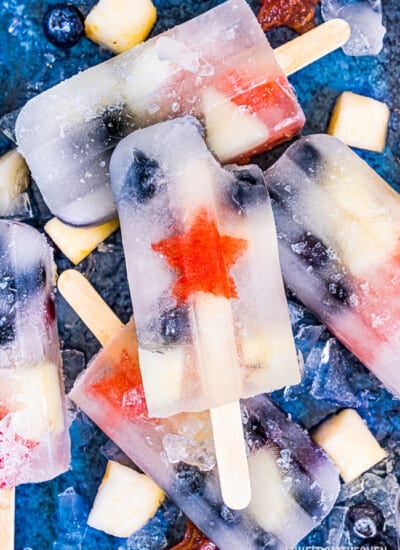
[28,65]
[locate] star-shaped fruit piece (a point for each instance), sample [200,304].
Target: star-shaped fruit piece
[295,14]
[203,258]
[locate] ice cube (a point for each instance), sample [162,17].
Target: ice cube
[72,512]
[365,20]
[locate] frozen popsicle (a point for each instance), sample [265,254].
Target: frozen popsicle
[218,67]
[203,270]
[338,226]
[294,485]
[34,440]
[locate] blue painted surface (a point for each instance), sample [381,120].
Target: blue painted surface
[28,65]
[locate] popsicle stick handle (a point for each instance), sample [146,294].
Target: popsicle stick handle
[226,420]
[312,45]
[7,513]
[230,451]
[89,305]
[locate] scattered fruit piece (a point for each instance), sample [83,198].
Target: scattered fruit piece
[360,121]
[63,25]
[194,540]
[347,440]
[120,24]
[14,179]
[295,14]
[78,242]
[125,501]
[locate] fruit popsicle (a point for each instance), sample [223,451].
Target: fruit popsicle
[338,231]
[294,485]
[203,270]
[34,439]
[218,67]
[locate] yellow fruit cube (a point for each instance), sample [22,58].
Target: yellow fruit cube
[360,121]
[120,24]
[125,501]
[78,242]
[346,438]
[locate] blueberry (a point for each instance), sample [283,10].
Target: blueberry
[248,188]
[118,121]
[63,25]
[307,158]
[174,324]
[338,290]
[312,251]
[8,298]
[189,480]
[31,280]
[142,179]
[365,519]
[264,540]
[229,516]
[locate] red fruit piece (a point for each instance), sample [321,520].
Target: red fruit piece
[273,102]
[3,411]
[295,14]
[194,540]
[203,258]
[123,387]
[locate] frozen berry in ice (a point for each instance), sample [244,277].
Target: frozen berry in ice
[174,324]
[248,189]
[365,519]
[307,158]
[8,298]
[63,25]
[189,480]
[312,251]
[142,178]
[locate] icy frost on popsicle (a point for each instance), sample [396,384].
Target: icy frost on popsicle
[218,67]
[200,246]
[294,485]
[338,226]
[34,441]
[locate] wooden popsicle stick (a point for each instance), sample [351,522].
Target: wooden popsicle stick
[226,420]
[88,304]
[7,513]
[312,45]
[220,367]
[230,451]
[78,242]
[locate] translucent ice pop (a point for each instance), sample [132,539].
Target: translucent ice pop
[338,226]
[203,269]
[34,443]
[294,485]
[218,67]
[34,440]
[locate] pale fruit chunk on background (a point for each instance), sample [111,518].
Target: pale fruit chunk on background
[125,501]
[78,242]
[360,121]
[120,24]
[14,178]
[346,438]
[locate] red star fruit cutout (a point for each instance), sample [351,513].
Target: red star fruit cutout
[295,14]
[203,258]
